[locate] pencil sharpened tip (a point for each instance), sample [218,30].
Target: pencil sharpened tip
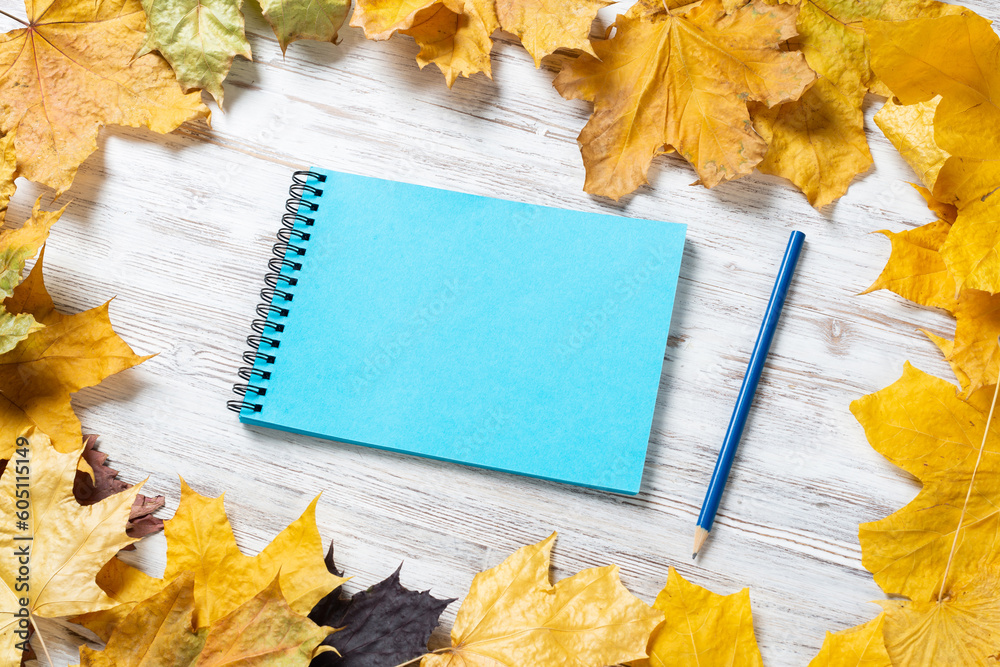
[700,535]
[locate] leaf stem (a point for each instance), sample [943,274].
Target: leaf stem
[41,640]
[11,16]
[968,494]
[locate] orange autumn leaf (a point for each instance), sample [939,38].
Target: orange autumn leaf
[683,81]
[459,42]
[546,25]
[8,172]
[69,72]
[453,34]
[456,35]
[381,19]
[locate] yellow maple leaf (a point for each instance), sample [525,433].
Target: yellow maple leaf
[546,25]
[682,80]
[942,210]
[38,376]
[513,611]
[860,646]
[161,632]
[71,70]
[946,346]
[910,128]
[957,58]
[972,251]
[922,425]
[30,296]
[15,328]
[973,354]
[818,142]
[702,628]
[8,172]
[459,42]
[961,629]
[915,270]
[20,244]
[452,34]
[17,246]
[200,539]
[69,542]
[456,35]
[381,19]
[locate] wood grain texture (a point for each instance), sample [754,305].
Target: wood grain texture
[178,229]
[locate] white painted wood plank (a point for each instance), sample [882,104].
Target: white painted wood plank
[179,228]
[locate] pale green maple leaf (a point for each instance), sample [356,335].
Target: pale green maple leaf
[200,38]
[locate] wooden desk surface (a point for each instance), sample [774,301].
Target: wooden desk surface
[178,228]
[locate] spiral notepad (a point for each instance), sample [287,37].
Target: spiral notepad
[480,331]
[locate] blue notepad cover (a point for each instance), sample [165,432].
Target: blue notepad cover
[487,332]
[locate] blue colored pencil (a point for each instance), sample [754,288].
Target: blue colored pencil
[727,454]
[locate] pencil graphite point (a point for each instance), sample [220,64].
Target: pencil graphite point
[700,535]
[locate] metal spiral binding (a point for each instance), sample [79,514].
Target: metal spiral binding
[277,291]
